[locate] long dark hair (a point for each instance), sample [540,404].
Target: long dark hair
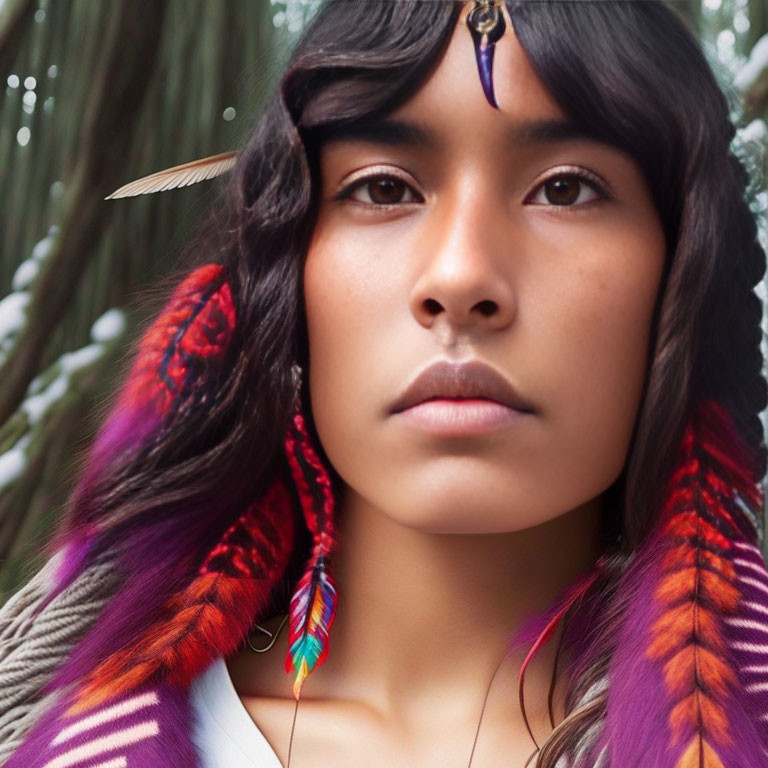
[634,75]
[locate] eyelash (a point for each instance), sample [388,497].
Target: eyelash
[586,178]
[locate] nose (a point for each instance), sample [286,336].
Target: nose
[465,280]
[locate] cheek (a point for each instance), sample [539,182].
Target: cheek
[594,324]
[350,310]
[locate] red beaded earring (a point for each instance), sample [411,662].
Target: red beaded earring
[313,604]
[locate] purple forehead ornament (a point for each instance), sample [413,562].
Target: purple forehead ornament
[487,25]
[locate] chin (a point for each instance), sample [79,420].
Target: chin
[452,516]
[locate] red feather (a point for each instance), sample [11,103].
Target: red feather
[675,696]
[697,588]
[192,331]
[210,617]
[185,342]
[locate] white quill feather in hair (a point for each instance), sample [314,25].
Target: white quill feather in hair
[178,176]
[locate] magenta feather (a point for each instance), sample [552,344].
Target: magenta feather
[677,697]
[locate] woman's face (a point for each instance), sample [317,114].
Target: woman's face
[470,238]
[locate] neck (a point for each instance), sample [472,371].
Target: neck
[424,618]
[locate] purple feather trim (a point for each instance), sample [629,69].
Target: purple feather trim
[748,633]
[151,727]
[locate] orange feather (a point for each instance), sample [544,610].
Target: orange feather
[699,754]
[697,589]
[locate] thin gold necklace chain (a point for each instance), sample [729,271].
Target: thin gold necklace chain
[296,708]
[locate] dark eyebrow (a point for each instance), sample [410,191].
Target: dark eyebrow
[551,132]
[398,133]
[391,133]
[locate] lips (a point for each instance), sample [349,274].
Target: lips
[473,379]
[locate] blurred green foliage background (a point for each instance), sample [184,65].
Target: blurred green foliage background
[97,93]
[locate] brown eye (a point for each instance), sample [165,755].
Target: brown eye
[379,190]
[386,191]
[562,191]
[567,189]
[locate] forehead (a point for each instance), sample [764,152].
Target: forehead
[454,85]
[450,108]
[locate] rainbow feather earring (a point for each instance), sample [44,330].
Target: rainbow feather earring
[313,604]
